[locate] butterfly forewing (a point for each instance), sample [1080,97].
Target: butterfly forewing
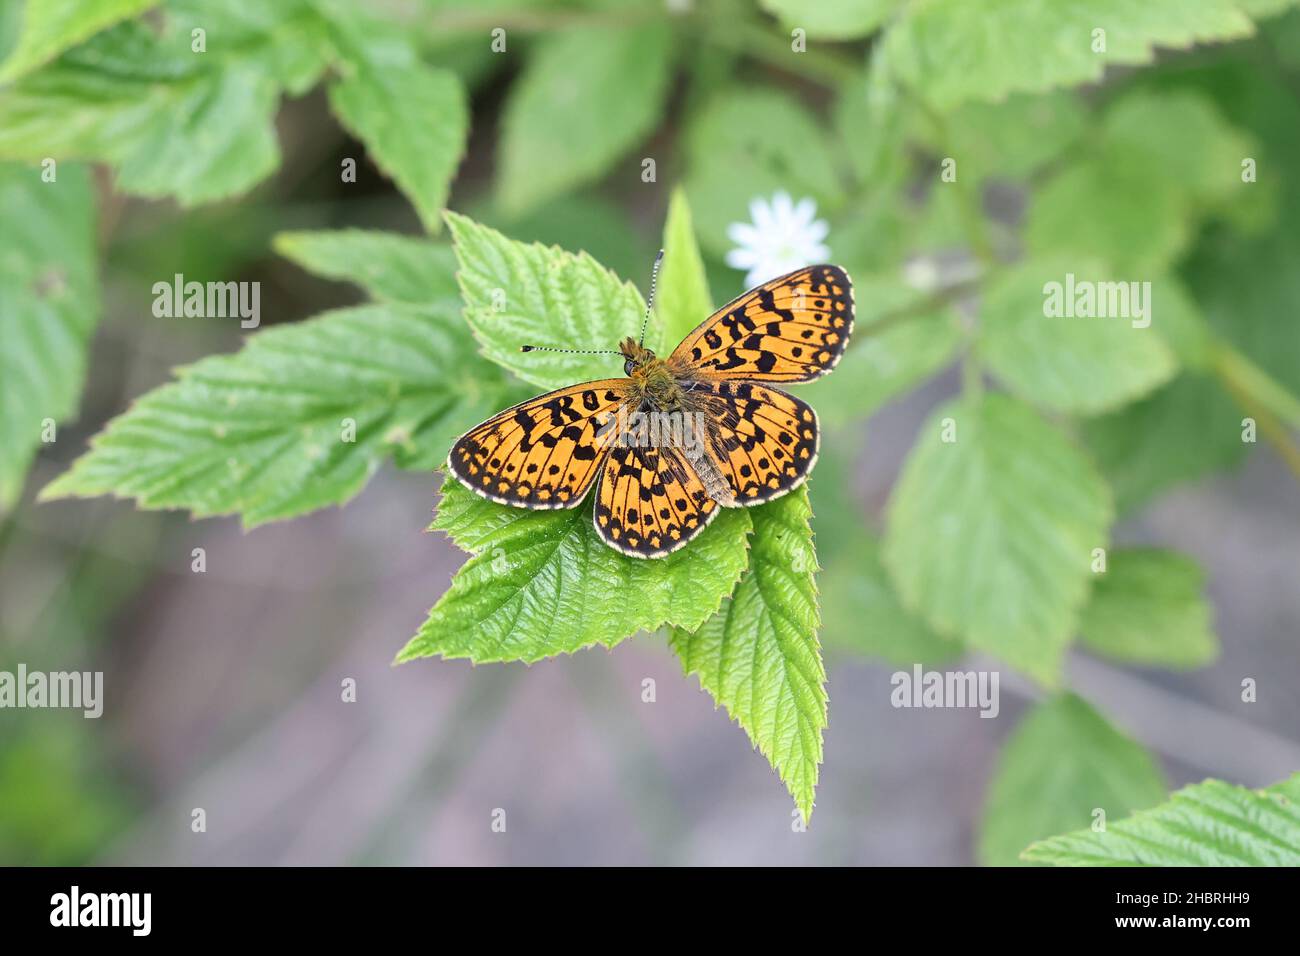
[650,501]
[542,453]
[790,329]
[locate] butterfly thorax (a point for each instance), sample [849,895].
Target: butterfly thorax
[652,380]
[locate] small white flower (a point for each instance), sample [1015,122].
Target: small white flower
[781,237]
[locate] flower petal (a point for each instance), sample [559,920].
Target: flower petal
[805,210]
[743,234]
[816,231]
[743,258]
[781,207]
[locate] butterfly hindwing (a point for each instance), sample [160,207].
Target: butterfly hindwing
[790,329]
[542,453]
[650,501]
[764,441]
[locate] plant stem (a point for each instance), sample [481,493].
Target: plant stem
[1273,431]
[1263,399]
[1232,366]
[760,42]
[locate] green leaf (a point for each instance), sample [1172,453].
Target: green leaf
[197,126]
[391,267]
[874,120]
[683,300]
[1247,285]
[1074,363]
[1135,195]
[832,19]
[1259,9]
[527,294]
[51,26]
[543,583]
[1184,431]
[50,308]
[733,157]
[916,338]
[264,432]
[990,536]
[951,51]
[862,613]
[413,119]
[1149,608]
[1062,764]
[759,656]
[1140,239]
[586,97]
[581,221]
[1211,823]
[1008,140]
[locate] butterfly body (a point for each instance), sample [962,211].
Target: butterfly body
[652,381]
[678,437]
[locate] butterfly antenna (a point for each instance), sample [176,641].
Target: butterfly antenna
[650,303]
[551,348]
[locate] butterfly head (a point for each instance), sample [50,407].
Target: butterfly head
[638,356]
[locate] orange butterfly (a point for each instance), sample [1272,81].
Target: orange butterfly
[677,437]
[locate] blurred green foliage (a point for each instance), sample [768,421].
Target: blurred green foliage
[1150,142]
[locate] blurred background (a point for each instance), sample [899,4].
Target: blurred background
[223,688]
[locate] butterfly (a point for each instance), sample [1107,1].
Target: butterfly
[676,438]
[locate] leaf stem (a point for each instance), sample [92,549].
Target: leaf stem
[1232,366]
[1263,398]
[917,309]
[758,41]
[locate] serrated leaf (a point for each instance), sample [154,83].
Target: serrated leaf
[1072,362]
[733,157]
[832,19]
[683,300]
[586,97]
[1062,764]
[520,294]
[264,432]
[391,267]
[584,220]
[951,51]
[543,583]
[1188,429]
[49,309]
[51,26]
[1148,607]
[990,536]
[1211,823]
[920,338]
[759,656]
[413,119]
[197,126]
